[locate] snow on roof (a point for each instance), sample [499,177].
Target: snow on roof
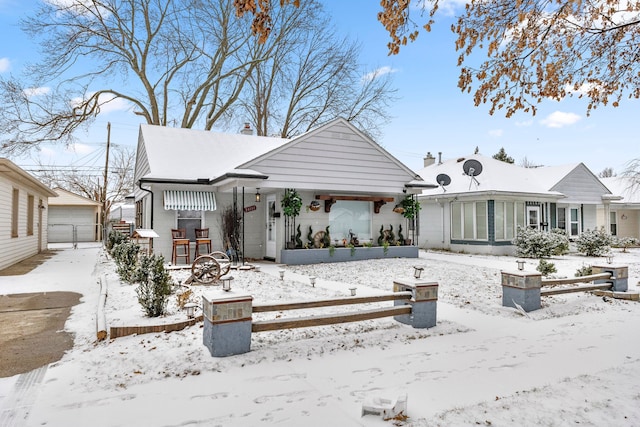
[622,186]
[178,153]
[496,176]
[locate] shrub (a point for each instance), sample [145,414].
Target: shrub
[624,242]
[126,257]
[585,270]
[532,243]
[594,242]
[115,238]
[154,285]
[561,241]
[546,268]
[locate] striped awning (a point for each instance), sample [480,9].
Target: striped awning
[189,200]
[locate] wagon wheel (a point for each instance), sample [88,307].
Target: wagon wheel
[205,269]
[223,261]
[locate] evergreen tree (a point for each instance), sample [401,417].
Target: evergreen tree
[503,156]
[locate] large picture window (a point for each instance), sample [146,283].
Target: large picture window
[507,217]
[469,220]
[354,216]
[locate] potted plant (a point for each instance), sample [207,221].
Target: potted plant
[291,203]
[411,207]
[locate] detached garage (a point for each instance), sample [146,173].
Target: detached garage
[73,218]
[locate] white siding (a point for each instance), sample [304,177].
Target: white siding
[336,158]
[434,220]
[15,249]
[581,186]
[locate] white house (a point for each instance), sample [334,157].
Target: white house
[23,223]
[624,214]
[481,201]
[188,178]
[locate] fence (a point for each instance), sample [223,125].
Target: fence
[521,289]
[228,323]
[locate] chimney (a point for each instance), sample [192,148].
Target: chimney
[246,130]
[429,159]
[439,157]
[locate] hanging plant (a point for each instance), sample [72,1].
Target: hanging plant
[291,203]
[411,207]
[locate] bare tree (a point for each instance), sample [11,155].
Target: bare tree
[607,173]
[312,77]
[526,163]
[90,184]
[180,62]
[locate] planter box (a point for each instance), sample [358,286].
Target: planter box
[317,256]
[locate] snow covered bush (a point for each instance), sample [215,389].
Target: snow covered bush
[546,268]
[624,242]
[125,255]
[585,270]
[594,242]
[115,238]
[532,243]
[154,285]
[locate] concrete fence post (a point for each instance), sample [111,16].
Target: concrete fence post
[619,276]
[521,288]
[424,302]
[227,324]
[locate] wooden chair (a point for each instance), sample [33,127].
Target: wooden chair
[181,246]
[178,233]
[202,238]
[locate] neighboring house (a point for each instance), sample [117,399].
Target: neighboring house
[23,223]
[624,214]
[74,218]
[482,201]
[187,178]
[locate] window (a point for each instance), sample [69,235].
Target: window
[30,209]
[469,220]
[614,224]
[562,218]
[15,199]
[575,222]
[190,220]
[139,212]
[350,216]
[507,217]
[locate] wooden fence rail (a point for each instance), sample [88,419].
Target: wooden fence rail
[578,279]
[261,308]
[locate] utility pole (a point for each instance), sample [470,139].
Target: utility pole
[104,188]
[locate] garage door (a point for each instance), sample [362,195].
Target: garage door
[63,220]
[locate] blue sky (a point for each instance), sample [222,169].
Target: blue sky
[431,113]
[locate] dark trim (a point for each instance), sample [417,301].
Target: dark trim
[202,181]
[481,243]
[150,192]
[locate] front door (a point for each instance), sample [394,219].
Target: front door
[270,250]
[533,217]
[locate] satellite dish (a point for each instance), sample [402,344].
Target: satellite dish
[443,179]
[472,168]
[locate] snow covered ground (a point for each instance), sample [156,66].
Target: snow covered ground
[575,361]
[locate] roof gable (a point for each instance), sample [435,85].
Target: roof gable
[333,157]
[580,185]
